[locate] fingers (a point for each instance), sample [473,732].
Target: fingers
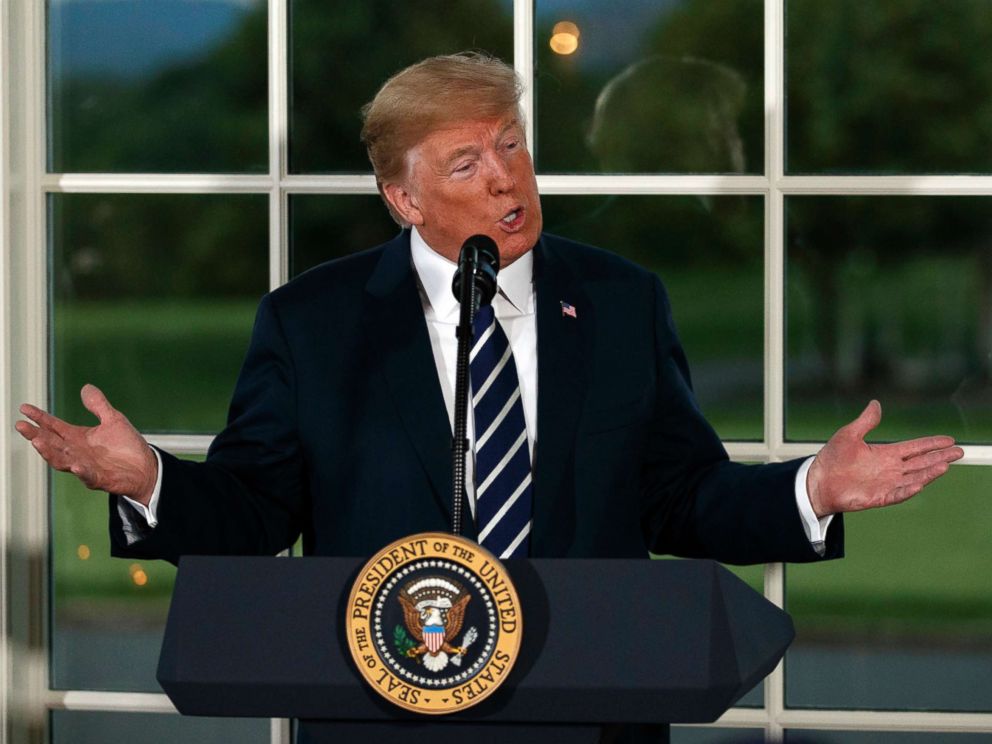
[96,402]
[924,477]
[915,447]
[929,459]
[26,430]
[868,420]
[50,446]
[46,420]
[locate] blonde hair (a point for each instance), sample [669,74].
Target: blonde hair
[429,94]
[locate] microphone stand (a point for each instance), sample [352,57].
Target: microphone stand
[469,299]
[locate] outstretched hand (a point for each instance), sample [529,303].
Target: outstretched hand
[849,474]
[111,456]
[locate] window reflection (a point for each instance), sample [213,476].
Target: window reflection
[658,88]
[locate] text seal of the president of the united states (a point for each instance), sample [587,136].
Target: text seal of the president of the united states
[434,623]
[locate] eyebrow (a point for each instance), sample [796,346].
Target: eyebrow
[450,160]
[461,151]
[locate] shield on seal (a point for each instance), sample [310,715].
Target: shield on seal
[434,637]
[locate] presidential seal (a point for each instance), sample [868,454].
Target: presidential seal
[434,623]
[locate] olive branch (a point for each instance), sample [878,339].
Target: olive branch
[402,640]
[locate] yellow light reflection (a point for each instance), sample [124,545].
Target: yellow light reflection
[566,27]
[138,575]
[564,37]
[83,551]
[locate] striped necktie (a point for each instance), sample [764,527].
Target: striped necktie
[502,455]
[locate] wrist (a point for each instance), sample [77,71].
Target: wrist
[814,489]
[149,479]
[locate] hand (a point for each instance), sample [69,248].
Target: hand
[849,474]
[111,456]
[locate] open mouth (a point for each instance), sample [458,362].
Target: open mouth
[512,220]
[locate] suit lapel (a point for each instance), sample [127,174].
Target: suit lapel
[396,324]
[562,347]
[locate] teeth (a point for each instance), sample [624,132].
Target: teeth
[510,217]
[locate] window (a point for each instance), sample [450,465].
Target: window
[811,180]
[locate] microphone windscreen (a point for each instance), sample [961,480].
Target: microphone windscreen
[487,249]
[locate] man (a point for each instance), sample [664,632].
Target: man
[338,427]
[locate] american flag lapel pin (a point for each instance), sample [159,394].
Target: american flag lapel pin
[569,310]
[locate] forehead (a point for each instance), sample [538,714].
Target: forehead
[467,133]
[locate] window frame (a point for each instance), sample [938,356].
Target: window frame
[25,185]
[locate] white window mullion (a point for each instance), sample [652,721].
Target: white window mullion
[278,141]
[118,702]
[523,62]
[651,184]
[557,184]
[25,494]
[278,70]
[155,183]
[936,185]
[774,59]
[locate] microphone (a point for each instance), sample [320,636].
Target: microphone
[474,285]
[479,261]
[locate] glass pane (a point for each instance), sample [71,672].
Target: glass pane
[905,620]
[325,227]
[164,86]
[153,299]
[888,87]
[662,87]
[890,297]
[708,252]
[341,53]
[884,737]
[108,614]
[713,735]
[75,727]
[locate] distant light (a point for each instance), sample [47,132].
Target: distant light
[138,575]
[83,551]
[564,37]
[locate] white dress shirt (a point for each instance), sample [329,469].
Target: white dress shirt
[515,309]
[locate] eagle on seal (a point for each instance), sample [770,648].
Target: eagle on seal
[431,622]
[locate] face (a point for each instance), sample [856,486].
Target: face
[470,178]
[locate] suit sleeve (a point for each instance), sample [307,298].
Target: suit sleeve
[250,496]
[698,504]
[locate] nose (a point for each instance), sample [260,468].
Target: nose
[500,178]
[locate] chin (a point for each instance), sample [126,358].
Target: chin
[512,249]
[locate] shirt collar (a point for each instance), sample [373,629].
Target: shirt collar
[515,283]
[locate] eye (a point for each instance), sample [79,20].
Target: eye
[464,168]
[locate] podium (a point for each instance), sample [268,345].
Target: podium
[604,642]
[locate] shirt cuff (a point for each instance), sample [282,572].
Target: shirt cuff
[814,527]
[150,513]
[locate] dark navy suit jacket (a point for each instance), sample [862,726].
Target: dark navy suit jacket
[338,429]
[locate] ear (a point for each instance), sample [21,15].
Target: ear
[403,203]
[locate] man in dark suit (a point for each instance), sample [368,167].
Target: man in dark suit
[337,429]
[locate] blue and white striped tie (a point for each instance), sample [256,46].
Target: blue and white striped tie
[502,455]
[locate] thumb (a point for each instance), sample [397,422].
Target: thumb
[868,420]
[96,402]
